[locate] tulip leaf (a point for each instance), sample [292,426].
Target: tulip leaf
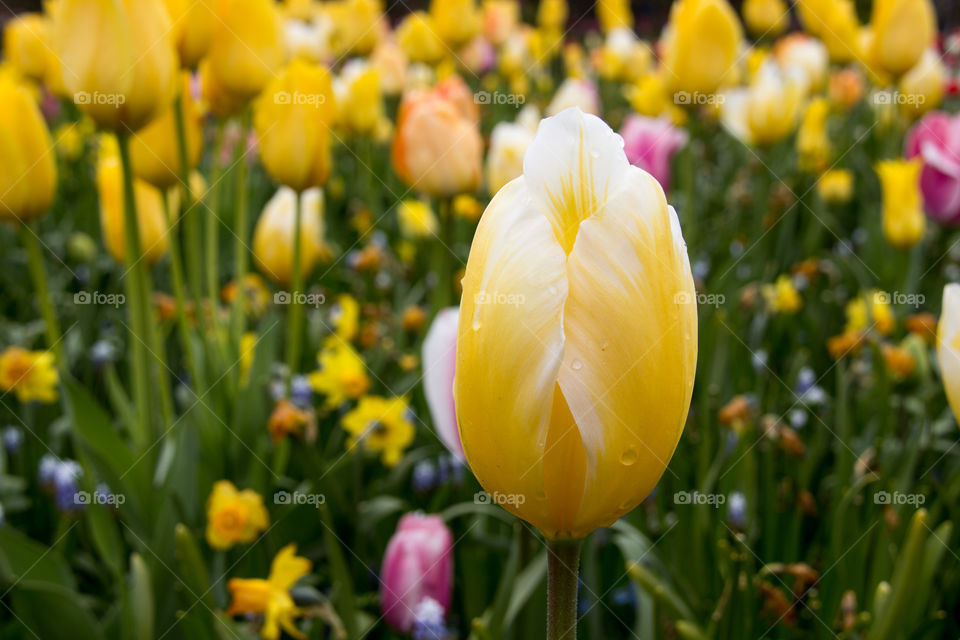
[53,612]
[527,582]
[140,600]
[890,616]
[22,558]
[344,597]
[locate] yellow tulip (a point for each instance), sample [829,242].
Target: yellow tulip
[835,22]
[903,219]
[948,346]
[195,24]
[836,186]
[921,88]
[25,44]
[701,48]
[552,15]
[28,170]
[152,220]
[457,21]
[273,236]
[247,47]
[292,120]
[766,18]
[813,140]
[390,61]
[767,111]
[899,32]
[358,98]
[577,340]
[417,36]
[614,14]
[154,149]
[119,61]
[805,54]
[357,26]
[509,142]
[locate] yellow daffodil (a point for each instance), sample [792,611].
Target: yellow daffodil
[813,139]
[921,88]
[948,346]
[358,99]
[247,47]
[898,34]
[271,598]
[194,24]
[342,374]
[381,425]
[119,59]
[767,111]
[903,218]
[836,186]
[25,44]
[835,23]
[28,169]
[580,248]
[31,375]
[152,219]
[292,119]
[273,236]
[418,37]
[234,517]
[782,296]
[416,218]
[154,149]
[614,14]
[346,317]
[870,311]
[457,21]
[766,18]
[701,45]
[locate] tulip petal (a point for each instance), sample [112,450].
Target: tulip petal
[630,327]
[509,349]
[439,365]
[948,345]
[571,168]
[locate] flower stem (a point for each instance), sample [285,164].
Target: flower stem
[191,220]
[563,561]
[295,316]
[134,282]
[176,278]
[39,274]
[238,313]
[441,257]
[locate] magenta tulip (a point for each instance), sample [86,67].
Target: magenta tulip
[650,144]
[439,362]
[418,565]
[936,139]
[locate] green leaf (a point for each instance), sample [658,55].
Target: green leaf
[140,600]
[344,597]
[890,616]
[527,582]
[22,558]
[53,612]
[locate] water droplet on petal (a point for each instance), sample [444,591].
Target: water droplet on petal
[476,324]
[629,456]
[576,365]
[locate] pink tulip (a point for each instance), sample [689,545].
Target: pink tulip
[418,564]
[439,360]
[650,144]
[936,139]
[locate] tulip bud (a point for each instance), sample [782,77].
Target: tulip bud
[273,236]
[28,171]
[292,120]
[899,32]
[457,21]
[651,143]
[584,255]
[119,59]
[25,44]
[767,111]
[418,564]
[508,144]
[152,220]
[702,46]
[614,14]
[195,23]
[358,98]
[437,147]
[835,22]
[417,36]
[766,17]
[903,219]
[155,150]
[247,47]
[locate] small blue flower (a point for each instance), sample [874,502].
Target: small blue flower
[424,477]
[102,353]
[12,439]
[737,509]
[428,623]
[301,393]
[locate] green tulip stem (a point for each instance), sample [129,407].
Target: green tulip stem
[442,252]
[134,283]
[295,316]
[241,250]
[39,274]
[177,283]
[191,220]
[563,562]
[212,231]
